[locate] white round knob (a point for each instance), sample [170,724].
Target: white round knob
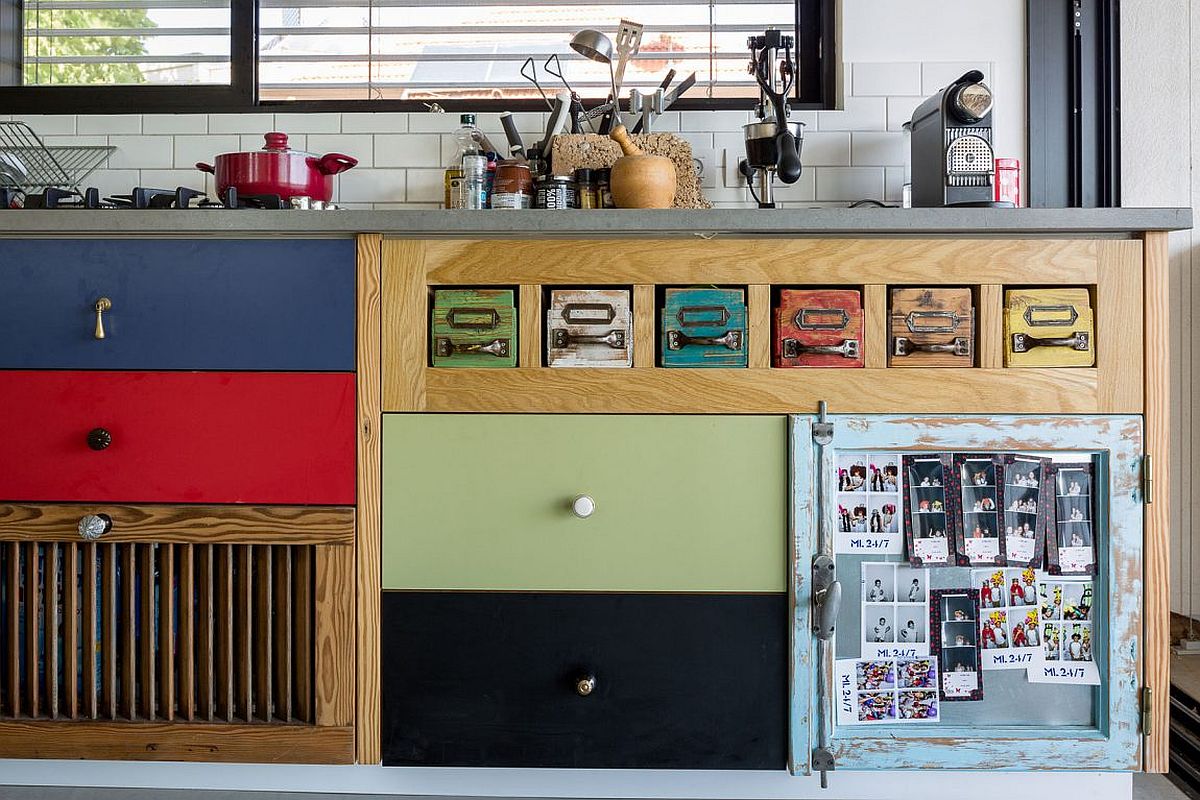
[583,506]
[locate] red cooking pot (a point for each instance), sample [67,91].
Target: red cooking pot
[276,169]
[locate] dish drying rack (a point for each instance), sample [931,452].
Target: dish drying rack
[28,164]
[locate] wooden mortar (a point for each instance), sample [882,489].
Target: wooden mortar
[639,180]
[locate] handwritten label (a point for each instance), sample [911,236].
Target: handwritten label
[1080,673]
[873,544]
[883,651]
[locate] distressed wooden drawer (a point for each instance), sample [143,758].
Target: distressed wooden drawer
[502,680]
[818,328]
[178,437]
[682,503]
[177,304]
[704,328]
[589,328]
[473,328]
[1047,327]
[932,327]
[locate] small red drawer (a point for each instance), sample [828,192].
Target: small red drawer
[177,437]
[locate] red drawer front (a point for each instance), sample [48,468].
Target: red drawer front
[826,318]
[178,437]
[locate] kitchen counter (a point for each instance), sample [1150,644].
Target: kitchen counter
[792,222]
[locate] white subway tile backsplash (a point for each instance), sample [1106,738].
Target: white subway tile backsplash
[97,139]
[308,123]
[396,122]
[241,123]
[715,121]
[355,145]
[900,111]
[191,149]
[47,125]
[426,186]
[882,79]
[893,185]
[858,114]
[172,178]
[408,150]
[488,123]
[872,149]
[109,123]
[141,152]
[830,149]
[113,181]
[372,186]
[848,184]
[175,123]
[937,75]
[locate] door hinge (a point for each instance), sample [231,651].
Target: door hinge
[1146,711]
[1147,479]
[822,429]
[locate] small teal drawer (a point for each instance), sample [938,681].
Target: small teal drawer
[178,304]
[704,328]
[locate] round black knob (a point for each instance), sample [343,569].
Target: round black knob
[98,438]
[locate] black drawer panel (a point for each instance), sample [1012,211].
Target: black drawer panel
[489,679]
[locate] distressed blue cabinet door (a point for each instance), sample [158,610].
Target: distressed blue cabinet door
[212,304]
[1018,725]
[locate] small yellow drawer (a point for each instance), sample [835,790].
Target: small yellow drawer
[1045,327]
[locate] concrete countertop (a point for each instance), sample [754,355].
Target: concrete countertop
[793,222]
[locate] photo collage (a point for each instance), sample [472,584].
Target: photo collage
[1065,606]
[869,504]
[1025,508]
[929,510]
[887,690]
[1010,623]
[979,540]
[1070,547]
[954,634]
[895,610]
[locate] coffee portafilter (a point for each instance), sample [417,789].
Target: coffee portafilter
[762,156]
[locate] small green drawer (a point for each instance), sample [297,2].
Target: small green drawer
[681,503]
[473,328]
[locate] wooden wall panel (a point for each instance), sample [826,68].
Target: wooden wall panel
[333,661]
[405,324]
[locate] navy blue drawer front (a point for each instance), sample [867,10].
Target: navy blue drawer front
[479,679]
[178,304]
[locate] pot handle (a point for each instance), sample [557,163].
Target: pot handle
[333,163]
[200,165]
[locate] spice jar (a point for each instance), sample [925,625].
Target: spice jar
[604,187]
[513,187]
[586,188]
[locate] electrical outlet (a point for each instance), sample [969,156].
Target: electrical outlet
[733,176]
[707,166]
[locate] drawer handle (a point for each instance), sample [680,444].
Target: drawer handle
[99,439]
[102,305]
[585,685]
[93,526]
[560,338]
[583,506]
[677,340]
[959,346]
[1023,342]
[847,349]
[495,347]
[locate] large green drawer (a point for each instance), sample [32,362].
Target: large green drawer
[683,503]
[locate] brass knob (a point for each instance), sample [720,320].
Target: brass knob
[98,438]
[583,506]
[93,526]
[102,305]
[585,685]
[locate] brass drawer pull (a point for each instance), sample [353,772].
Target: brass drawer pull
[494,347]
[1068,316]
[959,346]
[695,316]
[588,313]
[1023,342]
[585,685]
[93,526]
[102,305]
[564,338]
[926,321]
[822,319]
[677,340]
[472,318]
[794,349]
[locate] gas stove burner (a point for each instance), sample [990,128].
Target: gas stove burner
[271,202]
[141,197]
[53,197]
[144,197]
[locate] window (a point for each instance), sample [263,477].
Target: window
[231,55]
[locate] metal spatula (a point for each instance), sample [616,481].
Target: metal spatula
[629,41]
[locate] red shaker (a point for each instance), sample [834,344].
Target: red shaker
[1008,181]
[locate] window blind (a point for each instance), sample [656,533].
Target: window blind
[476,49]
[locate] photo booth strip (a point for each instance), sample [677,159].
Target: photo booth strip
[1027,496]
[894,601]
[930,510]
[870,517]
[1070,527]
[1068,633]
[1009,618]
[885,691]
[976,484]
[954,639]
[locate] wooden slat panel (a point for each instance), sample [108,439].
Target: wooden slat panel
[1156,654]
[990,333]
[875,326]
[205,622]
[282,644]
[530,333]
[243,633]
[184,524]
[223,634]
[128,629]
[335,635]
[405,342]
[12,627]
[70,630]
[166,631]
[50,581]
[110,630]
[185,648]
[758,316]
[947,261]
[89,636]
[369,515]
[163,741]
[302,647]
[645,326]
[263,635]
[147,638]
[32,597]
[1119,328]
[773,391]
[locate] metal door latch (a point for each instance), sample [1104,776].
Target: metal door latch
[826,596]
[677,340]
[794,349]
[495,347]
[560,338]
[959,346]
[1023,342]
[822,762]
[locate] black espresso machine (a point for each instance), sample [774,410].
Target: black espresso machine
[953,162]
